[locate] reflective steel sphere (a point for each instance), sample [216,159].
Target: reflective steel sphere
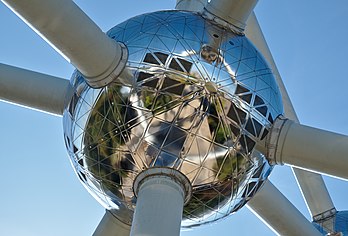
[194,97]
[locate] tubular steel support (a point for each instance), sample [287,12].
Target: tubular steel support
[32,89]
[276,210]
[234,12]
[309,148]
[161,195]
[190,5]
[69,30]
[111,226]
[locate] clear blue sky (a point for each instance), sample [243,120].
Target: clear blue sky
[40,194]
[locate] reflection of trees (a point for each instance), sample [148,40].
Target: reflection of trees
[105,136]
[231,168]
[216,124]
[164,103]
[108,159]
[207,199]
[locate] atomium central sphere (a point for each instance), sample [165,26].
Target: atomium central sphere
[193,97]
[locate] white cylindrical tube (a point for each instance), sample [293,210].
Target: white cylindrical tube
[313,149]
[161,195]
[159,207]
[69,30]
[279,213]
[190,5]
[235,12]
[316,195]
[32,89]
[111,226]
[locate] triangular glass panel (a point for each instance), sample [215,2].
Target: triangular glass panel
[152,83]
[247,52]
[260,64]
[258,101]
[205,176]
[180,48]
[149,58]
[165,159]
[143,76]
[263,110]
[158,129]
[131,33]
[265,94]
[240,89]
[157,44]
[169,42]
[131,23]
[246,98]
[187,65]
[147,97]
[201,148]
[258,127]
[189,169]
[141,42]
[163,30]
[178,28]
[260,84]
[270,118]
[136,54]
[265,132]
[250,62]
[250,143]
[150,29]
[198,30]
[175,147]
[174,135]
[149,20]
[162,57]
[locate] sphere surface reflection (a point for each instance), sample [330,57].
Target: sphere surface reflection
[194,97]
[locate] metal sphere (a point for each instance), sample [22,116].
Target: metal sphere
[194,97]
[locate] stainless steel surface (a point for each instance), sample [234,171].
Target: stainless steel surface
[196,98]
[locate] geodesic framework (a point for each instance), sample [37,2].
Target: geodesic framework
[194,97]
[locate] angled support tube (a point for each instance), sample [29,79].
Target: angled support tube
[279,214]
[234,12]
[32,89]
[111,226]
[190,5]
[161,195]
[308,148]
[72,33]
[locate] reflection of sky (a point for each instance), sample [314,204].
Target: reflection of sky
[42,196]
